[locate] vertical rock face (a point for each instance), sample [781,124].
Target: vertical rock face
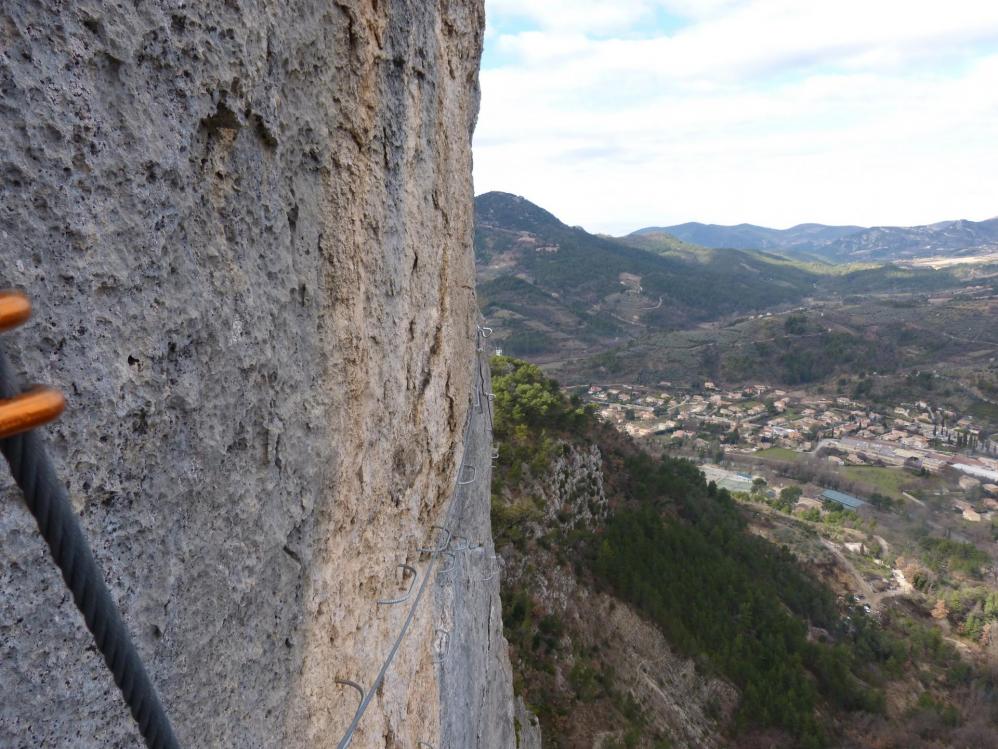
[475,676]
[246,229]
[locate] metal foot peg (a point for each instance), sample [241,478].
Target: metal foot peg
[37,406]
[352,684]
[403,598]
[15,309]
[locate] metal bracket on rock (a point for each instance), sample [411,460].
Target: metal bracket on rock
[354,685]
[441,644]
[441,547]
[496,563]
[483,333]
[474,476]
[404,598]
[453,560]
[467,545]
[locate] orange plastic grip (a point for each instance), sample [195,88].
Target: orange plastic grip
[15,308]
[24,412]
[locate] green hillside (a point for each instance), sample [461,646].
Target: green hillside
[560,291]
[678,551]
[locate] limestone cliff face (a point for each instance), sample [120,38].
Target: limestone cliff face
[246,228]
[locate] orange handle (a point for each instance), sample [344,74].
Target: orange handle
[15,308]
[24,412]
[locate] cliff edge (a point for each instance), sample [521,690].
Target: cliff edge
[246,228]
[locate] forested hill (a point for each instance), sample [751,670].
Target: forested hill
[562,290]
[514,237]
[844,244]
[805,237]
[580,513]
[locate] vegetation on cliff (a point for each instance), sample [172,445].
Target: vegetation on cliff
[676,549]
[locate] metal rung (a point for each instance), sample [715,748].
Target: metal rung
[404,598]
[483,333]
[496,568]
[466,545]
[436,549]
[355,685]
[474,476]
[453,560]
[15,309]
[29,410]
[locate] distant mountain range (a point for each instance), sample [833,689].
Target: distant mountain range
[559,290]
[847,244]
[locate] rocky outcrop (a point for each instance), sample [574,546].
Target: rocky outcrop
[573,488]
[677,700]
[528,728]
[246,228]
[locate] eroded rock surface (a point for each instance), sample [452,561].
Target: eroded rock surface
[476,679]
[246,228]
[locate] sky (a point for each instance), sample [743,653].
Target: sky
[620,114]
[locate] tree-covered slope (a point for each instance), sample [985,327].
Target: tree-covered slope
[674,548]
[560,290]
[844,244]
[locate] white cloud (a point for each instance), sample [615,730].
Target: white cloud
[600,16]
[771,111]
[576,15]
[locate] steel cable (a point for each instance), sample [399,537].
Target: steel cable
[427,575]
[46,498]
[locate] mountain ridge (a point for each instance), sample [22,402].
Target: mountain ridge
[560,289]
[844,243]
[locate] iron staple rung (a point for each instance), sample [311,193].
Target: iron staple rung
[404,598]
[467,545]
[353,684]
[453,561]
[366,697]
[441,547]
[474,476]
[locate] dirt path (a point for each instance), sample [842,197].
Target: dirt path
[873,597]
[864,586]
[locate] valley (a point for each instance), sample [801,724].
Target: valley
[847,410]
[788,620]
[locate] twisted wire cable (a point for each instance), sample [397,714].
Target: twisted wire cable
[372,690]
[46,498]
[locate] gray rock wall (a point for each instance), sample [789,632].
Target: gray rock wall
[528,727]
[476,680]
[246,228]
